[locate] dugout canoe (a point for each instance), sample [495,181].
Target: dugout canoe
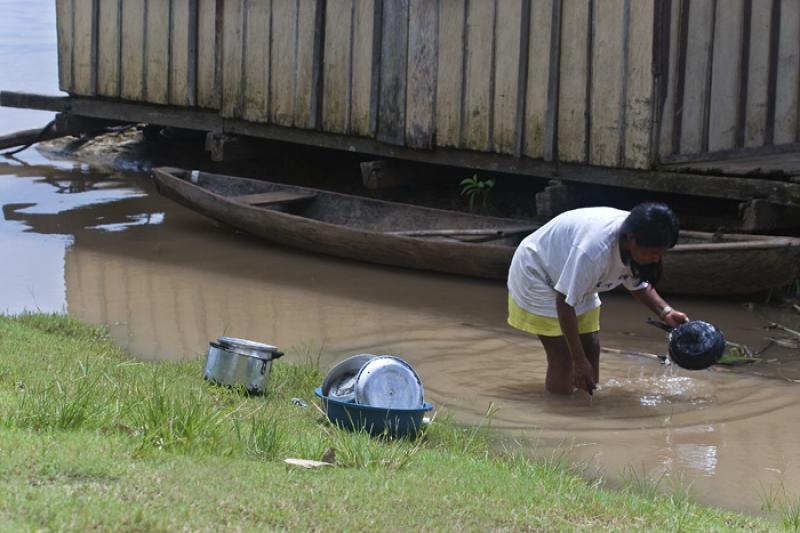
[452,242]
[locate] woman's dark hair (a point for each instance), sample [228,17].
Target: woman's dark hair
[653,225]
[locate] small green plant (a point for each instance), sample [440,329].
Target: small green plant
[475,187]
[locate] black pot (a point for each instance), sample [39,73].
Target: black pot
[694,345]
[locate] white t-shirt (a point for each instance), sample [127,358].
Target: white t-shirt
[577,254]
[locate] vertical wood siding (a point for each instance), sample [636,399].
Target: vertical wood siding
[109,48]
[478,80]
[449,76]
[540,24]
[283,55]
[671,31]
[207,46]
[725,73]
[84,51]
[157,51]
[132,72]
[337,66]
[608,77]
[183,52]
[573,97]
[507,50]
[64,16]
[695,83]
[788,73]
[256,74]
[308,54]
[362,60]
[756,114]
[735,86]
[393,72]
[638,131]
[232,57]
[421,75]
[618,83]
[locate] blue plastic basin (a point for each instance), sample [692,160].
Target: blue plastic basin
[375,420]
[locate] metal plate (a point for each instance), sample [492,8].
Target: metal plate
[344,389]
[234,342]
[341,371]
[389,382]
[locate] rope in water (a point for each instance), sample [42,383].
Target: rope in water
[38,138]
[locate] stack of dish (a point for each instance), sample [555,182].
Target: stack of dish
[378,393]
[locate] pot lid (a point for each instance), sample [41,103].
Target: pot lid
[389,382]
[233,342]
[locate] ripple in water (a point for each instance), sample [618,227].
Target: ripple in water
[655,391]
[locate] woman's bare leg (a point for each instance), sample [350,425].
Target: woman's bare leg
[560,375]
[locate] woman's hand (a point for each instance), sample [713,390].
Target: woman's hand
[675,318]
[584,375]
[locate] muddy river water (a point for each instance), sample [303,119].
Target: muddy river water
[104,248]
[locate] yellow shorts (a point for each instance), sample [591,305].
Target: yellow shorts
[519,318]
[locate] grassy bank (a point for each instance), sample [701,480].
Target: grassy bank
[90,440]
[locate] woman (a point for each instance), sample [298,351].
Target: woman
[558,270]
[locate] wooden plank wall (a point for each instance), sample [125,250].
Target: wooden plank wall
[734,78]
[563,80]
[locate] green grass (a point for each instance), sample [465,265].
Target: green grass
[91,440]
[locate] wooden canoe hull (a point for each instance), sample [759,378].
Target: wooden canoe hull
[747,265]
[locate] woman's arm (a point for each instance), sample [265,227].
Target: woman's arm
[650,298]
[568,320]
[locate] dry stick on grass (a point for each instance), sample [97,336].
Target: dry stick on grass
[796,307]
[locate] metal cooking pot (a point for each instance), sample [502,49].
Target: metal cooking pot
[389,382]
[231,362]
[694,345]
